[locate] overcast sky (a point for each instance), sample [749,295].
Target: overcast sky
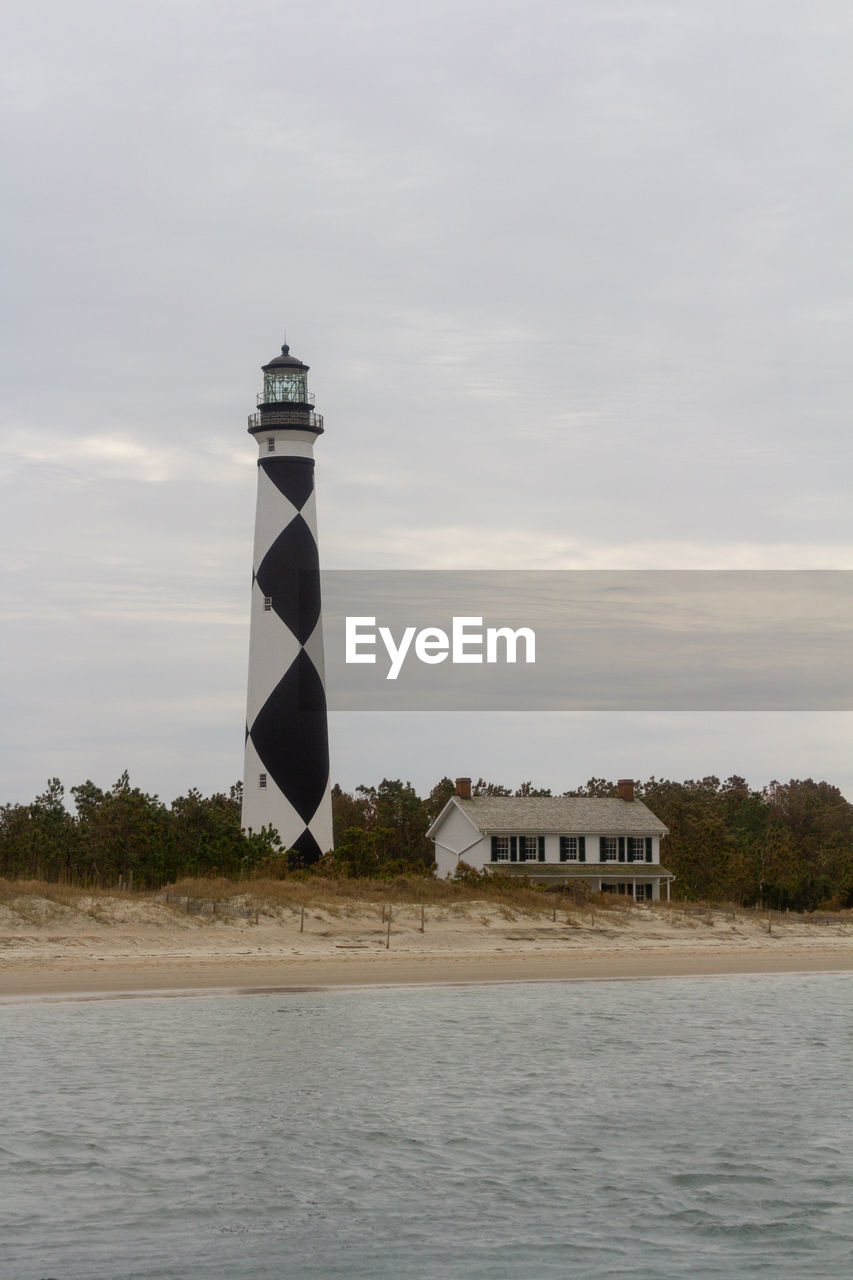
[574,282]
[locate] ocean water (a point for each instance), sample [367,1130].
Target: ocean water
[639,1129]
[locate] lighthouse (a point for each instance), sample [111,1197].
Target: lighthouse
[286,773]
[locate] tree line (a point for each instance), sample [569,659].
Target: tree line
[123,835]
[787,845]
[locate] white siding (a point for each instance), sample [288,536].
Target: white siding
[457,840]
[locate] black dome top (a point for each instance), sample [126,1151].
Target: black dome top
[285,361]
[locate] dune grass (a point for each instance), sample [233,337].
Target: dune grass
[331,893]
[37,902]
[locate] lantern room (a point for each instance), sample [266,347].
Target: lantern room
[285,380]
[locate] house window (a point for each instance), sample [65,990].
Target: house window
[573,848]
[262,780]
[609,848]
[531,848]
[518,848]
[639,892]
[271,444]
[639,848]
[267,604]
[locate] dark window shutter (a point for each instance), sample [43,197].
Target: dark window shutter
[562,848]
[581,848]
[621,848]
[541,848]
[513,848]
[648,848]
[494,848]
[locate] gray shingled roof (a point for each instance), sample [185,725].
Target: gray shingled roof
[566,815]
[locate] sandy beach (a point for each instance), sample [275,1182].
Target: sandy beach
[124,945]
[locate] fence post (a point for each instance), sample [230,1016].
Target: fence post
[423,911]
[388,934]
[302,920]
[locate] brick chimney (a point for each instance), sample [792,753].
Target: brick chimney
[463,788]
[625,787]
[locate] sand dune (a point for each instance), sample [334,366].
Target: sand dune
[131,944]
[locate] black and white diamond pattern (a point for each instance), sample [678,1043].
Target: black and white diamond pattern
[287,737]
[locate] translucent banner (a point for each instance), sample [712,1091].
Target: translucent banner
[576,640]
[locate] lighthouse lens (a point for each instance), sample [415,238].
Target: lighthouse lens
[285,387]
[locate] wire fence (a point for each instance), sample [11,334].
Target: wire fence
[207,906]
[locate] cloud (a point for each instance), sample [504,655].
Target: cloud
[570,281]
[93,458]
[497,546]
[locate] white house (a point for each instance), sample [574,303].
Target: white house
[611,844]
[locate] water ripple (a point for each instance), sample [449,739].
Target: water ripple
[643,1131]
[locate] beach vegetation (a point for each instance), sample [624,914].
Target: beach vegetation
[787,846]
